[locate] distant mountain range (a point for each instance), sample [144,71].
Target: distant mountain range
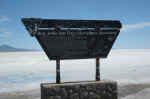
[8,48]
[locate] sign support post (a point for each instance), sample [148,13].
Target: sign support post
[97,69]
[57,70]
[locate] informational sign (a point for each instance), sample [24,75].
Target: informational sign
[74,39]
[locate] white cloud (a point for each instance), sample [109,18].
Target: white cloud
[4,34]
[135,26]
[4,19]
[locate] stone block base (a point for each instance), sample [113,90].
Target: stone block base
[80,90]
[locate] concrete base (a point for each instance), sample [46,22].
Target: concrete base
[80,90]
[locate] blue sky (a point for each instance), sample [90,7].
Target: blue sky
[133,14]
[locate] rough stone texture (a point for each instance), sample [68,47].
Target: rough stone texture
[80,90]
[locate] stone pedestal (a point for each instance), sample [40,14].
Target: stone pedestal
[80,90]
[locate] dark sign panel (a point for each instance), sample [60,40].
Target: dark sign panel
[74,39]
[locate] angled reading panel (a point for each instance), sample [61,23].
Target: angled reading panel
[74,39]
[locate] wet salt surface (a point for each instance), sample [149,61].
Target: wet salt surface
[21,71]
[143,94]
